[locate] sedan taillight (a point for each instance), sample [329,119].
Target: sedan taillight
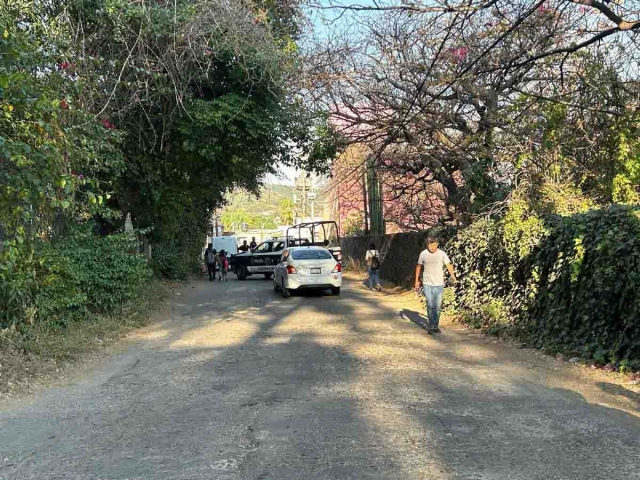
[291,269]
[337,269]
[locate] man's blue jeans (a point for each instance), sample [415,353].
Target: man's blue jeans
[374,278]
[433,294]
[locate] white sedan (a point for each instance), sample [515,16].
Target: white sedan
[303,268]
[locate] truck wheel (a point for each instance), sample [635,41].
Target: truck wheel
[268,275]
[242,272]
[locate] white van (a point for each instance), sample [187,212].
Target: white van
[228,244]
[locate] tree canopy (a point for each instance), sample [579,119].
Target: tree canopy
[469,100]
[150,109]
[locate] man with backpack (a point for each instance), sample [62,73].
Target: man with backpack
[431,263]
[373,265]
[211,259]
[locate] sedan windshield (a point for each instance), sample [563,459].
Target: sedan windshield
[311,255]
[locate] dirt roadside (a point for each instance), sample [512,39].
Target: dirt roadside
[49,359]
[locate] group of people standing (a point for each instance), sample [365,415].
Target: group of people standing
[429,276]
[245,248]
[217,262]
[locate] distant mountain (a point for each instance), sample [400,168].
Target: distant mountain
[266,204]
[263,211]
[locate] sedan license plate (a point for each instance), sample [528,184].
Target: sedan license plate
[316,271]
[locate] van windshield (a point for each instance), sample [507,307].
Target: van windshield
[311,255]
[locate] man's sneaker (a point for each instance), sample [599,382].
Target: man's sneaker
[379,288]
[437,330]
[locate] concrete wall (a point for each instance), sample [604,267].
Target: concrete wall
[398,253]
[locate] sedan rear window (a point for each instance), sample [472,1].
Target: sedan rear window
[311,255]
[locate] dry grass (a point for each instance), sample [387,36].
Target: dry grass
[40,354]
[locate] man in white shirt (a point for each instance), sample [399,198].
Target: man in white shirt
[432,262]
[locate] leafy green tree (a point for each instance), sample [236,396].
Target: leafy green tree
[263,222]
[201,89]
[234,219]
[286,211]
[53,152]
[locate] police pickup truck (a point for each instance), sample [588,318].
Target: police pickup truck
[263,259]
[260,261]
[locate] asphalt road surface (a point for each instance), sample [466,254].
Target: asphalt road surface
[237,383]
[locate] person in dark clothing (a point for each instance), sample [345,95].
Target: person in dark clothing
[244,247]
[211,259]
[253,243]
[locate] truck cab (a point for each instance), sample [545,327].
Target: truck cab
[262,260]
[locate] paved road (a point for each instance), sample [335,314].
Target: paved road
[237,383]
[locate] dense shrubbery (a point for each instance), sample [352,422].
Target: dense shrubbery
[566,284]
[80,276]
[174,263]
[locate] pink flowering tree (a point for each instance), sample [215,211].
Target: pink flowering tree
[461,102]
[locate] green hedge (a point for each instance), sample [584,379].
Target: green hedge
[566,284]
[172,262]
[80,275]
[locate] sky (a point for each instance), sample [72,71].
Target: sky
[285,176]
[321,23]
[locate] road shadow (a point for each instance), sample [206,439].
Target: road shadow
[620,391]
[248,386]
[416,318]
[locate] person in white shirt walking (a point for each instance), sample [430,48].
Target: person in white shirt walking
[373,265]
[431,263]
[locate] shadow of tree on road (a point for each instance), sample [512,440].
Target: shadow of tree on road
[239,384]
[620,391]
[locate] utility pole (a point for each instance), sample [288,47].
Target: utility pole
[301,187]
[304,195]
[375,199]
[295,206]
[365,201]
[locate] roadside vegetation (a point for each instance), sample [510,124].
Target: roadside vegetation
[87,291]
[112,110]
[568,285]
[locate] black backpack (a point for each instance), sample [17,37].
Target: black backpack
[375,262]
